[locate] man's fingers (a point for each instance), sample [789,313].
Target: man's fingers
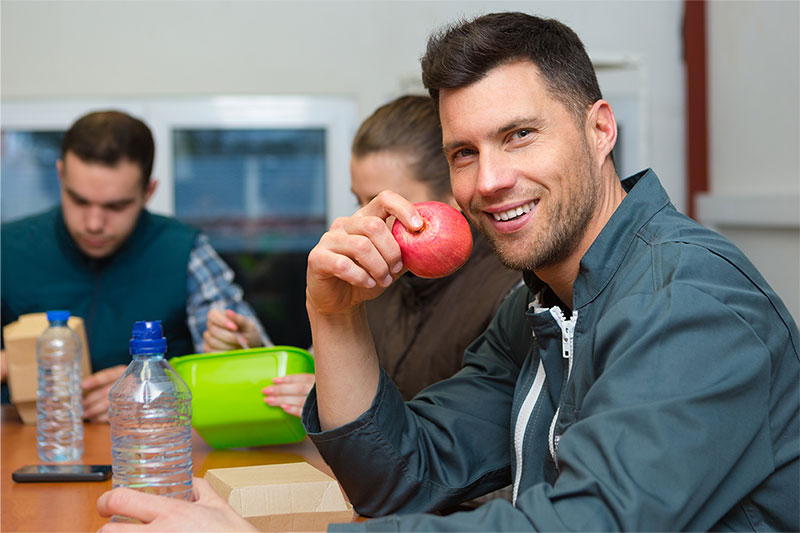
[120,527]
[371,230]
[133,504]
[103,377]
[203,492]
[96,408]
[101,418]
[356,259]
[97,413]
[329,264]
[389,203]
[93,396]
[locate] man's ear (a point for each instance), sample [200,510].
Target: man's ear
[150,189]
[601,130]
[60,170]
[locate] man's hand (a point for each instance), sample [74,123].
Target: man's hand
[357,258]
[228,330]
[208,512]
[289,392]
[95,392]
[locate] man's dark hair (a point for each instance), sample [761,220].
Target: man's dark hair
[408,126]
[108,137]
[463,53]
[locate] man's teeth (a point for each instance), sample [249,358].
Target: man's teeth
[515,212]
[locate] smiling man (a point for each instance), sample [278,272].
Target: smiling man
[644,379]
[101,255]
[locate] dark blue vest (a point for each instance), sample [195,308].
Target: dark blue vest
[42,269]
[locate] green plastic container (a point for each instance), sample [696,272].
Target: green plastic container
[228,408]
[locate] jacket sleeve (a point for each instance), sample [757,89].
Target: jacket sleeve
[446,446]
[671,436]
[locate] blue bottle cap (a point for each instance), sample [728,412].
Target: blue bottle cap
[148,337]
[57,316]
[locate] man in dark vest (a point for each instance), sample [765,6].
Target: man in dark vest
[101,255]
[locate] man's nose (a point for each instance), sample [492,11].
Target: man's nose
[494,173]
[95,219]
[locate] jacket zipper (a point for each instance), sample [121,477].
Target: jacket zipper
[567,346]
[567,330]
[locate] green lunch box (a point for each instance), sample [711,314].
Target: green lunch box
[228,408]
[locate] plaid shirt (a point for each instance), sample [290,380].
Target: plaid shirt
[211,285]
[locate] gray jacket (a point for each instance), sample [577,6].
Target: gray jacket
[668,400]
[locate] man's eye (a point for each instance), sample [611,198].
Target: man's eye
[464,152]
[523,133]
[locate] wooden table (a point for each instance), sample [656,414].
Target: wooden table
[70,506]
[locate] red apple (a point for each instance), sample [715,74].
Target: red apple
[441,246]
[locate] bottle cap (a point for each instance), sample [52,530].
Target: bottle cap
[148,337]
[57,316]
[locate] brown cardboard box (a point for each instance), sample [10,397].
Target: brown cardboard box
[20,348]
[282,497]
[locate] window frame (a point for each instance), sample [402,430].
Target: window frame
[336,115]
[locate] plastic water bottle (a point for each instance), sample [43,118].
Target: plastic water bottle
[59,411]
[150,414]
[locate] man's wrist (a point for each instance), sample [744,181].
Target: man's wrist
[348,318]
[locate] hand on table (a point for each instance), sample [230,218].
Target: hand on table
[289,392]
[208,512]
[95,392]
[228,330]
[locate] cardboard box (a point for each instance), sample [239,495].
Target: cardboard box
[282,497]
[20,350]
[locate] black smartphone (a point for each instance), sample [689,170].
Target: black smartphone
[42,473]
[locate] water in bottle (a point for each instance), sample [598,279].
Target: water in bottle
[150,416]
[59,425]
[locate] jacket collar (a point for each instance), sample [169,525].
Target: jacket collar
[598,266]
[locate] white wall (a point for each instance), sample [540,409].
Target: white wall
[369,50]
[754,129]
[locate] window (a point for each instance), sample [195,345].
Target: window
[252,190]
[28,177]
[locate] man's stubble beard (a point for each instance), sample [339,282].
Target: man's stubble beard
[566,229]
